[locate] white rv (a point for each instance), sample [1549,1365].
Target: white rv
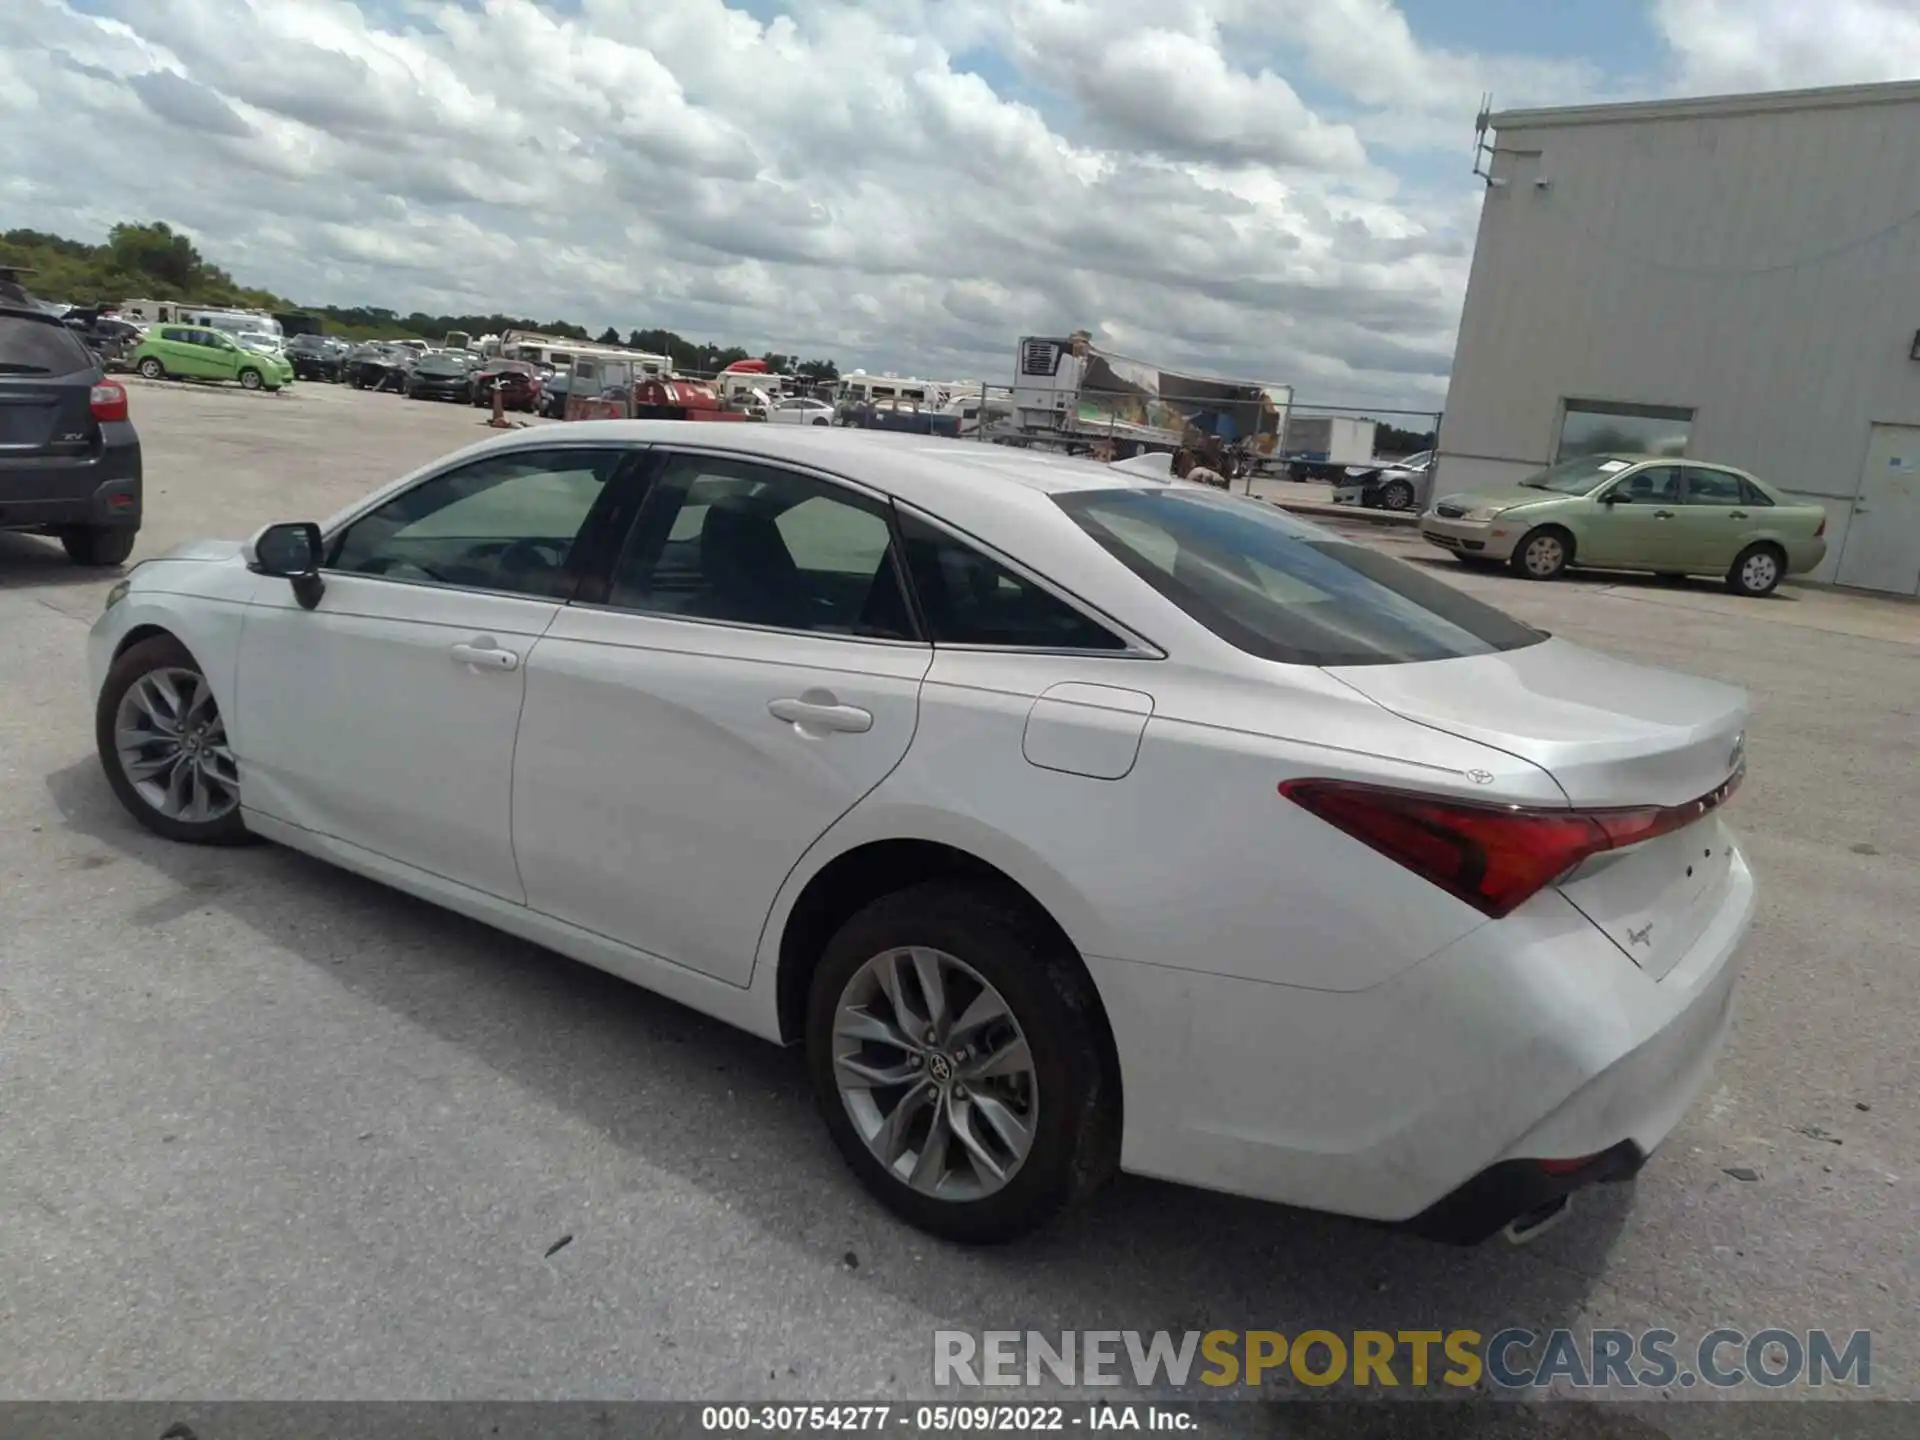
[214,317]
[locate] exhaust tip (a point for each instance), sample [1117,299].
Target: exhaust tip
[1537,1221]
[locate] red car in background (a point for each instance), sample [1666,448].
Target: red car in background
[516,380]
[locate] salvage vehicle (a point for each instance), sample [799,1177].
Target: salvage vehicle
[442,377]
[188,352]
[1636,512]
[317,357]
[890,750]
[379,366]
[1399,485]
[69,456]
[516,380]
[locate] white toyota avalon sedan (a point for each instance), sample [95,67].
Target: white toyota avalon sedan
[1070,819]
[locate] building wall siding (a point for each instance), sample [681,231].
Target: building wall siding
[1762,269]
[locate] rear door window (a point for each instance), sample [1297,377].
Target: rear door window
[968,598]
[34,347]
[1712,487]
[1285,591]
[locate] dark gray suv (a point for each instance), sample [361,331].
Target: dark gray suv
[69,457]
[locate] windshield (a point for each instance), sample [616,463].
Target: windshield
[1578,476]
[1283,590]
[441,365]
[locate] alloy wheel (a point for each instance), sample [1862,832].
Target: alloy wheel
[935,1073]
[172,745]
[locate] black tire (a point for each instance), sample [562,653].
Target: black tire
[1076,1136]
[160,652]
[152,369]
[1396,495]
[820,422]
[1542,554]
[1752,575]
[250,379]
[97,545]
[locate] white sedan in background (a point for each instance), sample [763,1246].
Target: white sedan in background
[1071,819]
[800,410]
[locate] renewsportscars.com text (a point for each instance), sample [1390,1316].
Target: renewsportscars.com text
[1510,1359]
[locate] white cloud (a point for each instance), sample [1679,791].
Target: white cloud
[1728,46]
[906,184]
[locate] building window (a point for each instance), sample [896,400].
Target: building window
[1599,427]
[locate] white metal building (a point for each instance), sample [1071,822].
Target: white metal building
[1735,279]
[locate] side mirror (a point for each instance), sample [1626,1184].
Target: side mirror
[292,552]
[1614,497]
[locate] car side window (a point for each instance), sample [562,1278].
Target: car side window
[1712,487]
[1751,494]
[969,599]
[507,522]
[752,544]
[1656,485]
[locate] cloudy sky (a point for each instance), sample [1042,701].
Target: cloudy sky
[1277,189]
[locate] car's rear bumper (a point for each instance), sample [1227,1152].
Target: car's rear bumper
[1805,555]
[1488,539]
[100,490]
[1427,1100]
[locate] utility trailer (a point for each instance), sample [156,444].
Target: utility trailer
[1069,395]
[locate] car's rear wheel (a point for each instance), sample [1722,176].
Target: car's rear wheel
[250,380]
[152,369]
[97,545]
[164,745]
[956,1058]
[1758,571]
[1542,554]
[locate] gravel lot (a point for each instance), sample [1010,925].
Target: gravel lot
[273,1131]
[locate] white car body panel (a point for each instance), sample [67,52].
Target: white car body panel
[1297,1018]
[356,720]
[656,799]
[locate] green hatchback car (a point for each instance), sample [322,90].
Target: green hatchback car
[1635,512]
[191,352]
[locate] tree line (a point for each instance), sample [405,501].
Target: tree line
[153,261]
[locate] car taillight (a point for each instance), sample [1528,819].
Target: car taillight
[1494,857]
[108,401]
[1821,528]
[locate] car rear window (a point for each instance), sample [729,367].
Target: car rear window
[39,347]
[1285,591]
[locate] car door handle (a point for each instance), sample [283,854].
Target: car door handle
[1663,514]
[487,657]
[1736,514]
[822,715]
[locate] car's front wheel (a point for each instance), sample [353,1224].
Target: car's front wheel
[163,742]
[250,380]
[957,1059]
[1542,554]
[1396,495]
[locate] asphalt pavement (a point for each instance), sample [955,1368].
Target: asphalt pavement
[270,1130]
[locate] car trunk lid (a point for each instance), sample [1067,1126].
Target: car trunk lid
[1614,735]
[1609,731]
[44,415]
